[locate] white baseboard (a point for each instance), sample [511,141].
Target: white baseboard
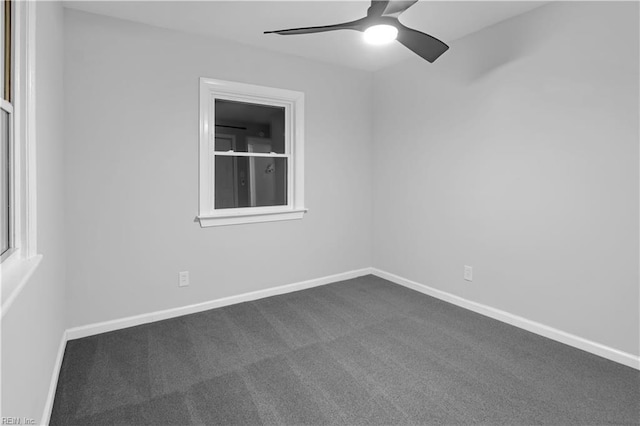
[117,324]
[48,405]
[532,326]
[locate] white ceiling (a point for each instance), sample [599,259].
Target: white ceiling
[244,22]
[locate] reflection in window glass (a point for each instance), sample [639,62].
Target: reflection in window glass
[250,181]
[244,121]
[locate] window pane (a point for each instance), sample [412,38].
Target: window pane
[250,181]
[4,182]
[238,122]
[8,45]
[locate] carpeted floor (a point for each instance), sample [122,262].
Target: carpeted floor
[363,351]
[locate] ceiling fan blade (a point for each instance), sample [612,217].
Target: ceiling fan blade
[377,8]
[395,8]
[423,45]
[358,25]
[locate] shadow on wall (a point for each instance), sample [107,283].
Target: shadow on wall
[491,52]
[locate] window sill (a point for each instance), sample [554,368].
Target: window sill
[240,218]
[15,274]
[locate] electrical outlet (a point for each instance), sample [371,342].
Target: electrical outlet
[468,273]
[183,279]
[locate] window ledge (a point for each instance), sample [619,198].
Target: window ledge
[240,218]
[15,274]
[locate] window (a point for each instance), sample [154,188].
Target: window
[18,257]
[251,153]
[6,134]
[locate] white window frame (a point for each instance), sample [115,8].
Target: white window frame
[293,103]
[21,260]
[13,197]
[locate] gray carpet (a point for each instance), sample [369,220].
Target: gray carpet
[363,351]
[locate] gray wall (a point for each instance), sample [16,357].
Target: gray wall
[33,326]
[517,153]
[131,120]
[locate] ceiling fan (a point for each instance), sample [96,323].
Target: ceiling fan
[381,26]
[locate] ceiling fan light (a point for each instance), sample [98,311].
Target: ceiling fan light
[380,34]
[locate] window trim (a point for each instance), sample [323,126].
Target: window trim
[293,102]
